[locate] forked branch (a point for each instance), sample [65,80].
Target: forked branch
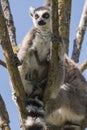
[13,71]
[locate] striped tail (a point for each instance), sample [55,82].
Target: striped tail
[35,115]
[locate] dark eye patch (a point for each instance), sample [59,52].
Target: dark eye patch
[45,15]
[36,16]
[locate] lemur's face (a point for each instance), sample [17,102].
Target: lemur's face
[41,17]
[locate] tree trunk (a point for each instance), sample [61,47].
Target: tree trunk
[64,21]
[56,70]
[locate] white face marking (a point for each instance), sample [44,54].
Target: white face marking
[40,13]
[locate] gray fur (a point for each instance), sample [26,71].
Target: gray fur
[34,53]
[70,105]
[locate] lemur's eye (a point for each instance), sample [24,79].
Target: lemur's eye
[36,16]
[45,15]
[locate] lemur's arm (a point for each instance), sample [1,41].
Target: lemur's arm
[20,52]
[26,44]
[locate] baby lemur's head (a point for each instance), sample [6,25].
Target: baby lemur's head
[41,17]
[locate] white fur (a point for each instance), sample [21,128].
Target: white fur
[31,10]
[31,121]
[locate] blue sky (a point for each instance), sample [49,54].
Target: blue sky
[23,22]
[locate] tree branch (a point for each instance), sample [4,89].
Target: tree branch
[64,13]
[56,70]
[13,71]
[64,21]
[9,21]
[3,63]
[4,118]
[80,34]
[47,3]
[83,67]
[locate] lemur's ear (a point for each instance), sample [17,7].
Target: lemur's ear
[31,11]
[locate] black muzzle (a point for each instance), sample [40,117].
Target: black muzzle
[41,22]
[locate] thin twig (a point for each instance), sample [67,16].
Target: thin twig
[80,34]
[3,63]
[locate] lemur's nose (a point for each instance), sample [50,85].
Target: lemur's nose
[41,22]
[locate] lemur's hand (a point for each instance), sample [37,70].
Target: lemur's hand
[15,49]
[15,60]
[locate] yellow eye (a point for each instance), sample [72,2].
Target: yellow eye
[46,16]
[36,16]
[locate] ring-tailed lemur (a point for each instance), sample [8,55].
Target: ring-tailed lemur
[35,50]
[34,56]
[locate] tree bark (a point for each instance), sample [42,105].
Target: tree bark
[9,21]
[80,34]
[64,21]
[13,71]
[56,70]
[4,118]
[64,13]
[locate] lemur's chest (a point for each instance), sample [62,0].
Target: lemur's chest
[42,45]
